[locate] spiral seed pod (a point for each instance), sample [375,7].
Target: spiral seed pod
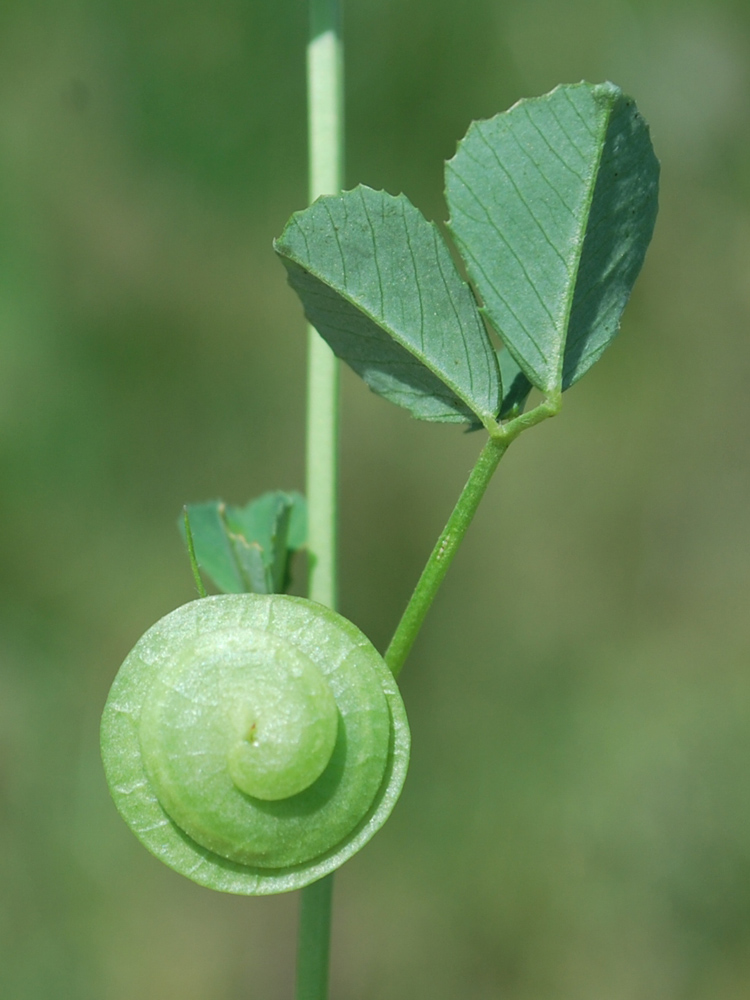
[254,742]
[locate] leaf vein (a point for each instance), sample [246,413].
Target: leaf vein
[374,250]
[502,236]
[338,241]
[416,278]
[578,114]
[554,152]
[507,305]
[568,136]
[522,199]
[459,324]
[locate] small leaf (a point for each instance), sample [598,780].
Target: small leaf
[516,387]
[252,563]
[278,523]
[553,204]
[279,550]
[255,521]
[378,283]
[213,548]
[297,536]
[248,549]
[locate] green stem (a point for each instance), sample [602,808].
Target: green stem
[501,437]
[443,553]
[322,469]
[325,138]
[314,940]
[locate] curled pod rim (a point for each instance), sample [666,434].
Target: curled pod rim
[254,742]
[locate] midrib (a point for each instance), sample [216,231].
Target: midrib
[580,240]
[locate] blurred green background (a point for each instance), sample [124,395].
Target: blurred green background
[576,823]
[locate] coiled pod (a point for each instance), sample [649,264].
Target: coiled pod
[254,742]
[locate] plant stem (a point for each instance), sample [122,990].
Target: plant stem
[443,553]
[325,132]
[314,940]
[326,146]
[501,437]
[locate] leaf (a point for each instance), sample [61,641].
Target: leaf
[252,565]
[377,281]
[278,553]
[248,549]
[516,387]
[552,205]
[276,522]
[213,548]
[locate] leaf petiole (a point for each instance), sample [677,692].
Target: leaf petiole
[500,439]
[509,431]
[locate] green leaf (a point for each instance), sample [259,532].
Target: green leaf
[377,281]
[552,205]
[252,564]
[278,553]
[213,547]
[516,387]
[248,549]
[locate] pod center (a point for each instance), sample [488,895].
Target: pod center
[285,724]
[245,704]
